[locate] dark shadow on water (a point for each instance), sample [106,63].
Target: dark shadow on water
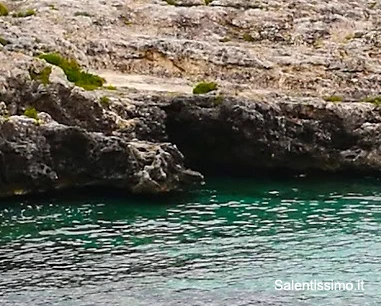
[228,183]
[96,195]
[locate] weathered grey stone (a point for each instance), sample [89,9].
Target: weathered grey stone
[241,135]
[37,156]
[75,141]
[274,61]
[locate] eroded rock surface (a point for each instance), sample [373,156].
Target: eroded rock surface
[243,136]
[76,141]
[276,64]
[253,48]
[51,155]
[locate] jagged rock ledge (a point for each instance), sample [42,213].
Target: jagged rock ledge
[243,136]
[275,63]
[131,143]
[78,143]
[37,158]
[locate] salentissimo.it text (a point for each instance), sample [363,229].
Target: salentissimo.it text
[315,285]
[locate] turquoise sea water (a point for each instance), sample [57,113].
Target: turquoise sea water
[224,244]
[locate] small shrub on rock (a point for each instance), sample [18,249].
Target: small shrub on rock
[42,76]
[31,113]
[334,99]
[3,9]
[26,13]
[204,87]
[374,100]
[105,101]
[3,41]
[171,2]
[110,87]
[74,72]
[247,37]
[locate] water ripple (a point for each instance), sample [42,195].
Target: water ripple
[225,245]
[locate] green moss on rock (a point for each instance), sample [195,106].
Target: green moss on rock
[204,87]
[31,112]
[334,99]
[110,87]
[3,41]
[42,76]
[3,9]
[247,37]
[23,14]
[105,101]
[74,72]
[171,2]
[374,100]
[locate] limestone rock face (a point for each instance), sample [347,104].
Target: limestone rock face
[37,157]
[253,48]
[243,136]
[76,141]
[276,63]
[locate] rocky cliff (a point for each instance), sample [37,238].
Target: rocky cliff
[299,85]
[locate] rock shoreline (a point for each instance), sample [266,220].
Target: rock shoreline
[271,110]
[245,136]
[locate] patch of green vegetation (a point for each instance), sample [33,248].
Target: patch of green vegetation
[86,14]
[31,112]
[30,12]
[374,100]
[218,100]
[247,37]
[225,39]
[105,101]
[110,87]
[42,76]
[3,9]
[73,71]
[53,7]
[26,13]
[333,99]
[3,41]
[207,2]
[204,87]
[57,60]
[171,2]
